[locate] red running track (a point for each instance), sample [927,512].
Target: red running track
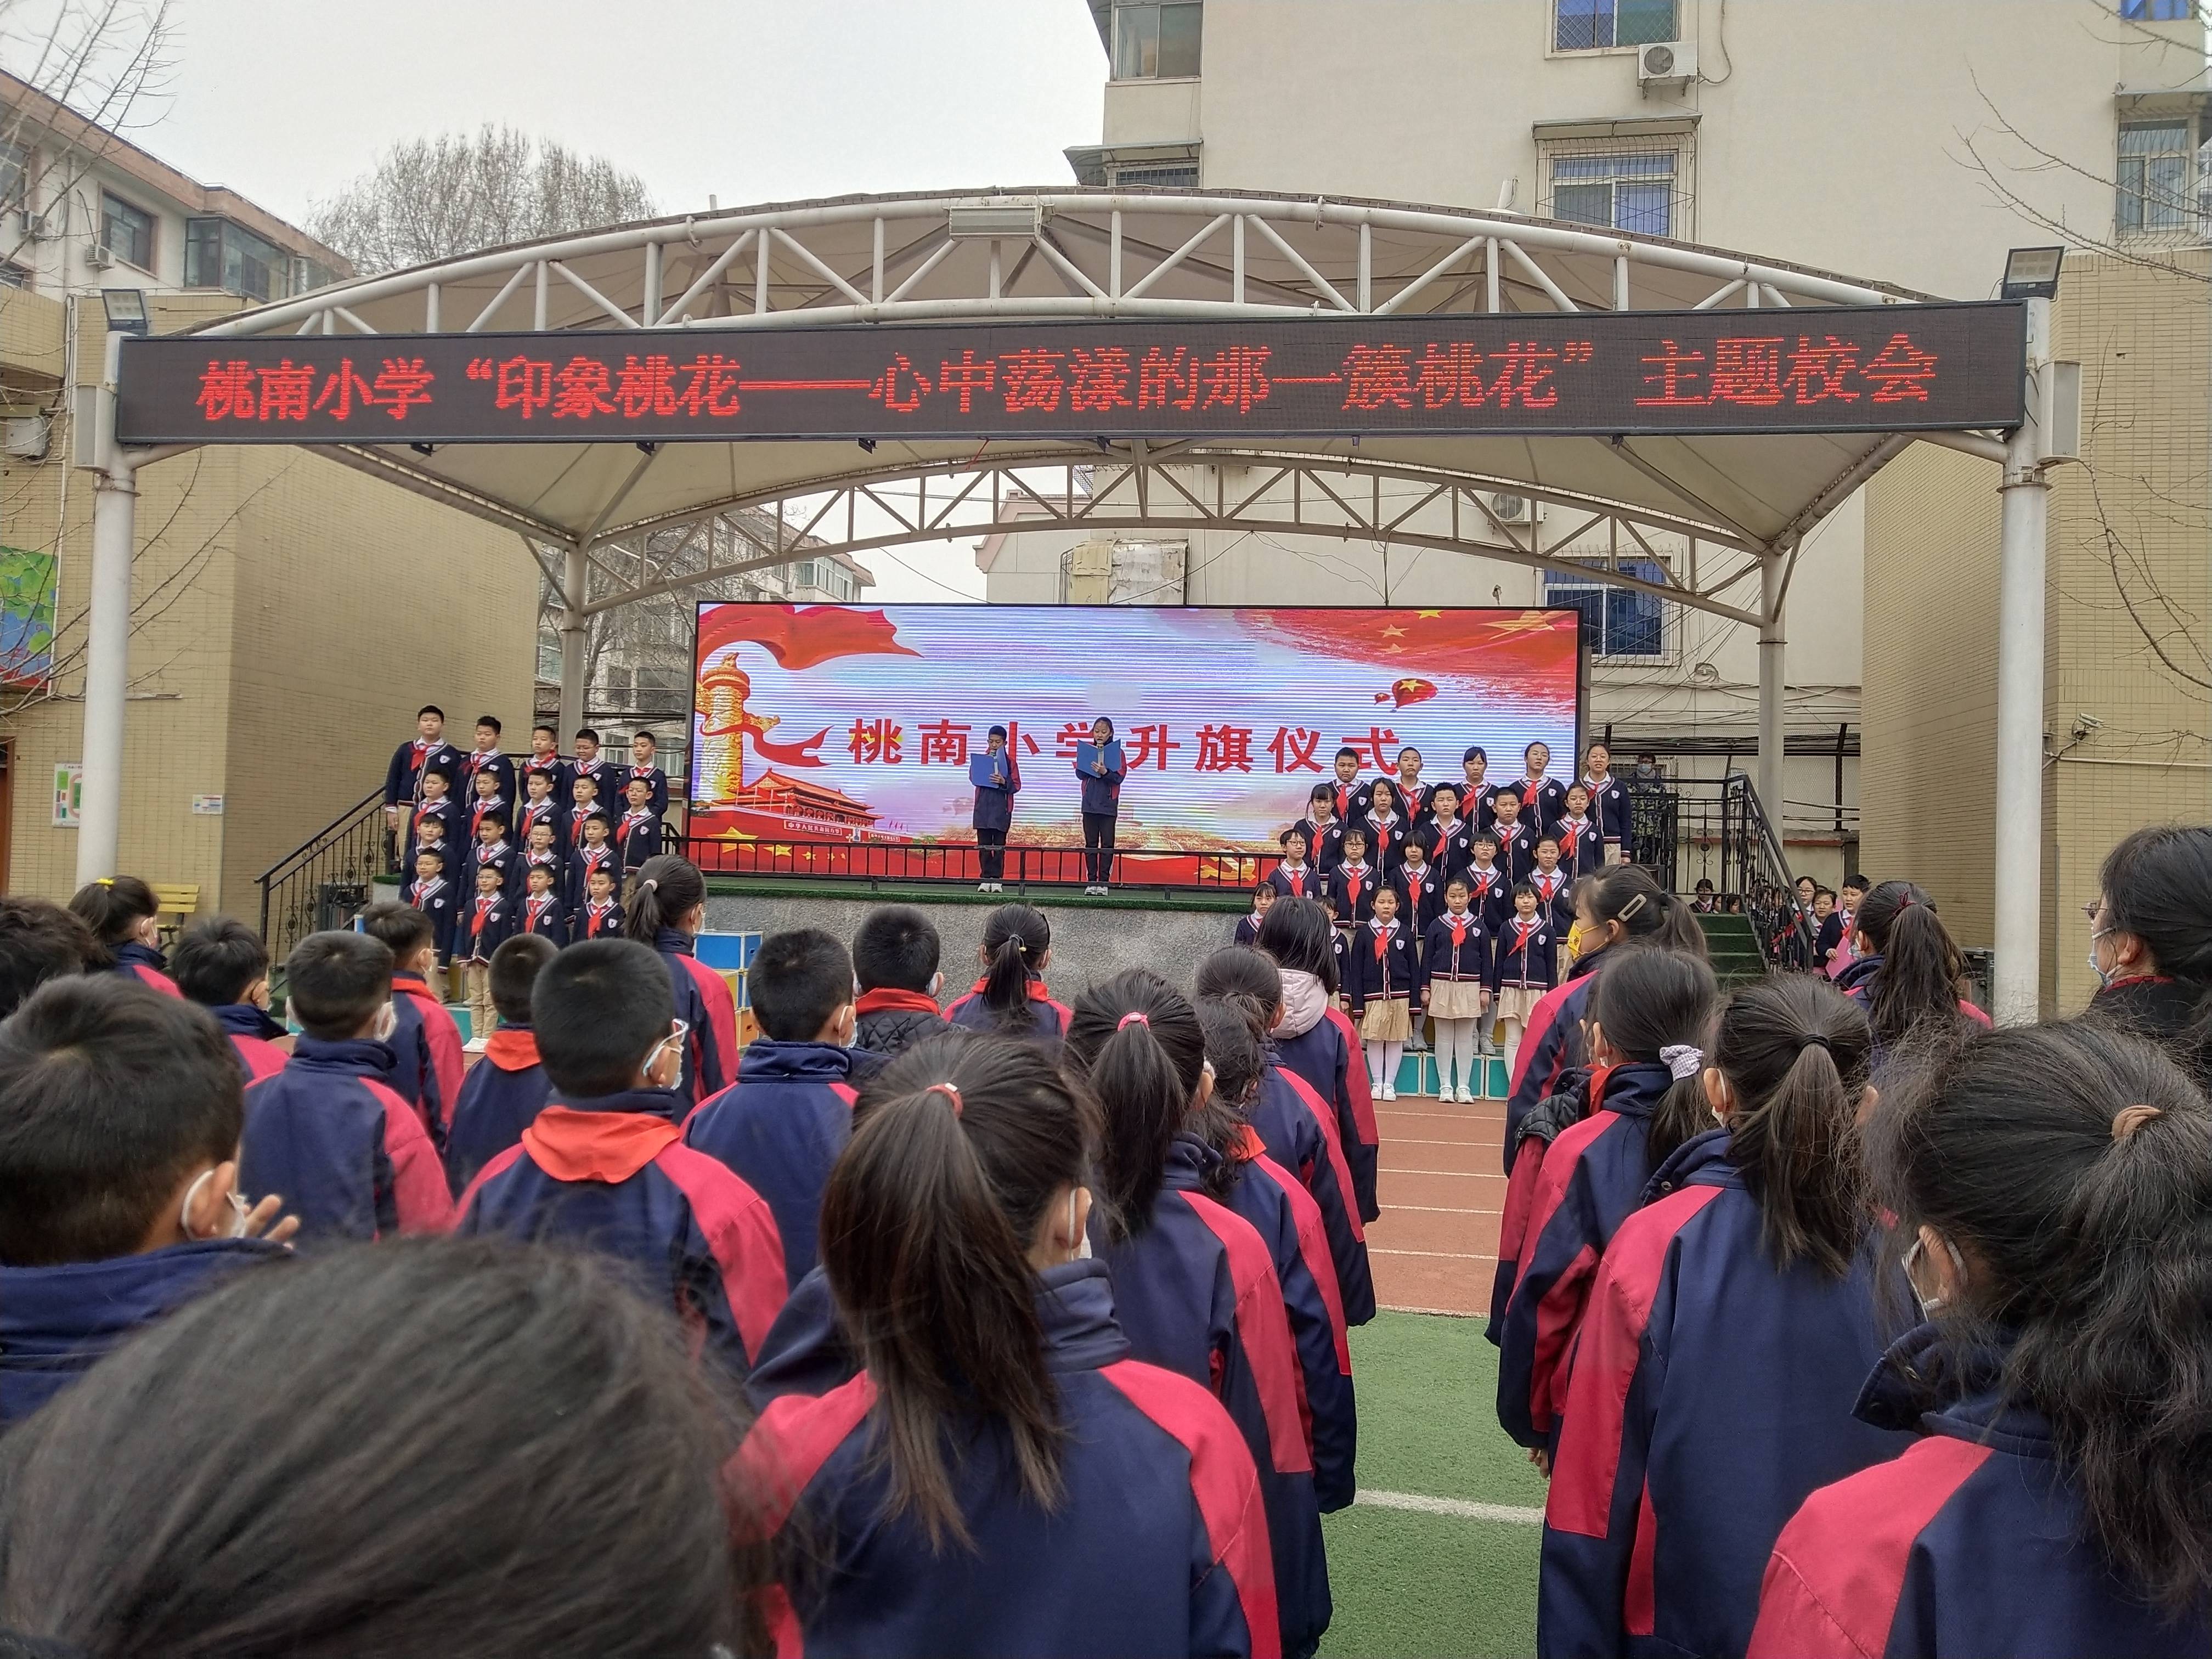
[1441,1185]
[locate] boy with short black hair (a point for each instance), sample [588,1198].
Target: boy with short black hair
[1516,837]
[486,757]
[583,802]
[895,957]
[485,801]
[119,1115]
[39,941]
[604,1164]
[1349,797]
[329,1131]
[601,916]
[595,850]
[1489,894]
[783,1123]
[432,892]
[1295,877]
[589,764]
[488,922]
[543,916]
[545,760]
[492,850]
[223,965]
[434,814]
[639,833]
[1552,882]
[425,1041]
[539,851]
[403,779]
[643,747]
[538,806]
[1248,927]
[501,1096]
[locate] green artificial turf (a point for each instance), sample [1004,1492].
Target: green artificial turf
[1409,1585]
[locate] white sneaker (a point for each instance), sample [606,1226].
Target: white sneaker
[1466,1098]
[1390,1091]
[982,886]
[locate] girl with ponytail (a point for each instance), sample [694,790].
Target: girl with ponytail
[1288,1221]
[2055,1183]
[1908,970]
[1295,1125]
[1749,1279]
[668,912]
[1316,1040]
[1010,998]
[997,1402]
[2150,941]
[1194,1283]
[124,916]
[1646,1035]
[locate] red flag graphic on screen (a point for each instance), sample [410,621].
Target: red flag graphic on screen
[1403,692]
[800,637]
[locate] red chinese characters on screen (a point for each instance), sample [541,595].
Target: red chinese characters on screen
[943,743]
[1294,749]
[286,391]
[1224,749]
[1149,743]
[1768,372]
[1378,742]
[876,742]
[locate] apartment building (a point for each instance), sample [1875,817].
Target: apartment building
[1884,139]
[289,614]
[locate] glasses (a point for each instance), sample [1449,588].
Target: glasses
[2093,908]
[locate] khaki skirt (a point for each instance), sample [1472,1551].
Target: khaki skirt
[1386,1020]
[1517,1002]
[1455,998]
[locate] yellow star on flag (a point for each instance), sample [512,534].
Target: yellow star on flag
[1394,633]
[1425,614]
[780,852]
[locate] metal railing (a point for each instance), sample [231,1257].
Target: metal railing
[1719,831]
[321,883]
[1209,870]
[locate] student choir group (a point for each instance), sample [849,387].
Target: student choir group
[1841,1323]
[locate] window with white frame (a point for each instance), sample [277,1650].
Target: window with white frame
[1623,188]
[127,231]
[2165,177]
[1600,25]
[1620,623]
[1157,42]
[1171,175]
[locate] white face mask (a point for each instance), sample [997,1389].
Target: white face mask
[238,1211]
[387,1022]
[1082,1238]
[2104,975]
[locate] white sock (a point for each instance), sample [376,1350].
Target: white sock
[1510,1044]
[1392,1053]
[1375,1048]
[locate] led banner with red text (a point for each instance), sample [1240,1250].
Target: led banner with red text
[857,723]
[1816,369]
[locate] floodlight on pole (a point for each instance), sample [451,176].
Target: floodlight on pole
[2032,273]
[126,310]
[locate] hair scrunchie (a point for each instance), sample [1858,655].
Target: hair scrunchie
[1683,1059]
[1135,1017]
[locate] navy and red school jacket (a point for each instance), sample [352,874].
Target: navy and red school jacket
[1608,809]
[1386,842]
[254,1036]
[1351,891]
[1489,896]
[1305,881]
[484,760]
[1047,1019]
[1517,851]
[612,1174]
[1419,902]
[1663,1509]
[1582,848]
[486,922]
[501,855]
[436,899]
[1158,1548]
[1524,953]
[705,1003]
[604,773]
[1324,844]
[332,1137]
[476,808]
[1248,929]
[1340,952]
[1326,1056]
[654,777]
[1451,850]
[1859,983]
[544,915]
[1550,1044]
[593,920]
[1458,955]
[403,778]
[1478,804]
[1352,800]
[1283,1212]
[55,1321]
[551,859]
[1592,1179]
[1197,1293]
[584,860]
[551,766]
[638,836]
[1299,1132]
[500,1098]
[807,1350]
[145,965]
[427,1046]
[1385,967]
[1972,1543]
[781,1127]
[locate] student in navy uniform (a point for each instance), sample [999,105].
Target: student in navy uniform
[584,804]
[539,806]
[1490,895]
[1750,1276]
[1255,1186]
[1248,927]
[896,951]
[1419,886]
[1515,835]
[2054,1181]
[1609,804]
[1340,951]
[1296,1126]
[1317,1040]
[491,919]
[504,1091]
[589,763]
[783,1123]
[596,851]
[1523,966]
[485,801]
[604,1166]
[119,1119]
[39,941]
[1543,799]
[1323,829]
[667,913]
[432,894]
[1383,993]
[1908,969]
[436,816]
[1011,1410]
[1446,838]
[124,918]
[1102,807]
[1296,877]
[1011,997]
[1582,842]
[539,850]
[223,966]
[644,748]
[403,778]
[486,757]
[1352,889]
[1194,1283]
[1387,830]
[600,916]
[426,1043]
[1648,1015]
[329,1132]
[638,834]
[1348,797]
[1455,989]
[994,814]
[492,850]
[1477,795]
[545,760]
[542,912]
[1554,886]
[1412,793]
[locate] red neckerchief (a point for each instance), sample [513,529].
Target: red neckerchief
[1459,927]
[486,902]
[1530,791]
[596,912]
[538,904]
[1484,880]
[1382,828]
[1355,881]
[648,773]
[636,816]
[535,812]
[1547,886]
[426,809]
[479,759]
[594,857]
[578,815]
[1343,800]
[1297,877]
[492,850]
[1382,937]
[424,889]
[1524,929]
[483,806]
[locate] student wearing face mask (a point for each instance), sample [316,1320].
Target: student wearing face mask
[2150,941]
[329,1132]
[119,1118]
[123,914]
[604,1164]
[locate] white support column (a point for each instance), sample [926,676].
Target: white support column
[2025,498]
[108,635]
[1772,644]
[573,631]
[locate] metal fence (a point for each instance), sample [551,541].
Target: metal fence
[1207,870]
[321,883]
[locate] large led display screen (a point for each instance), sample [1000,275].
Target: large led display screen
[856,725]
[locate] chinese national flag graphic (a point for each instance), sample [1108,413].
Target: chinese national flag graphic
[1403,693]
[799,637]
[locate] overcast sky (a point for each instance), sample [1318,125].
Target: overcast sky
[747,100]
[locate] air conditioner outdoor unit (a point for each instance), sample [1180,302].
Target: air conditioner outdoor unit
[99,256]
[1665,62]
[27,437]
[1516,509]
[42,226]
